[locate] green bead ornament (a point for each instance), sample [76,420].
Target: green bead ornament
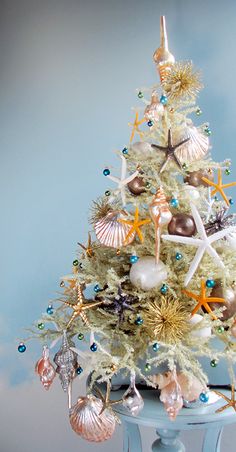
[213,363]
[41,326]
[148,367]
[227,172]
[80,336]
[75,262]
[220,329]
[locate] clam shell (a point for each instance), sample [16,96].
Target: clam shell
[87,422]
[195,148]
[110,232]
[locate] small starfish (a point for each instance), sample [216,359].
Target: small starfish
[120,303]
[123,180]
[87,248]
[231,402]
[135,225]
[80,307]
[135,126]
[107,403]
[202,242]
[170,151]
[220,221]
[219,187]
[203,300]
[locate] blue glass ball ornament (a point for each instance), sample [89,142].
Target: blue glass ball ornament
[178,256]
[207,131]
[49,309]
[139,321]
[106,172]
[133,259]
[97,288]
[164,288]
[163,99]
[150,123]
[174,202]
[231,201]
[125,151]
[204,397]
[79,370]
[21,347]
[210,283]
[93,347]
[155,347]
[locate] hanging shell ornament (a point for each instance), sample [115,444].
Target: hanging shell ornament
[155,110]
[45,369]
[110,232]
[132,399]
[161,215]
[88,422]
[66,361]
[196,148]
[162,57]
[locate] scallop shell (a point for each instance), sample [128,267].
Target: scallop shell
[87,422]
[195,148]
[110,232]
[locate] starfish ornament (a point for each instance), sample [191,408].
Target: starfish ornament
[136,224]
[107,403]
[120,303]
[135,126]
[202,242]
[123,181]
[219,187]
[209,201]
[203,300]
[80,307]
[231,402]
[87,248]
[169,150]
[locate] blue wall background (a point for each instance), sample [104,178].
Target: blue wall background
[68,74]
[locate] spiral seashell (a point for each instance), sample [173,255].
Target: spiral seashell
[87,422]
[110,232]
[45,369]
[162,56]
[154,111]
[195,148]
[159,208]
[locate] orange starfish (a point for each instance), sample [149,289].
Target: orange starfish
[230,402]
[135,126]
[80,307]
[87,248]
[218,187]
[203,300]
[135,225]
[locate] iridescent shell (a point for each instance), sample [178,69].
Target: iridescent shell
[155,110]
[87,422]
[195,148]
[45,369]
[110,232]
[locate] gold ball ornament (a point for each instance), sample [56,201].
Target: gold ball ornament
[194,178]
[182,224]
[136,186]
[88,422]
[229,295]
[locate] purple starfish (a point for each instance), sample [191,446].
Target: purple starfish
[120,303]
[220,221]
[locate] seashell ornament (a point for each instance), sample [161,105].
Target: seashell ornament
[155,110]
[88,422]
[162,57]
[45,369]
[132,399]
[110,232]
[161,215]
[196,148]
[66,361]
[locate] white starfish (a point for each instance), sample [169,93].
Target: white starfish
[123,181]
[202,242]
[209,201]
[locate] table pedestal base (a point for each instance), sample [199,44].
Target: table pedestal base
[168,441]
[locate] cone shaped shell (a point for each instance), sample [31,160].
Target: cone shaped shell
[87,422]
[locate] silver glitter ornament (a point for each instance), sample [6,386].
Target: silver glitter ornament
[132,399]
[66,361]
